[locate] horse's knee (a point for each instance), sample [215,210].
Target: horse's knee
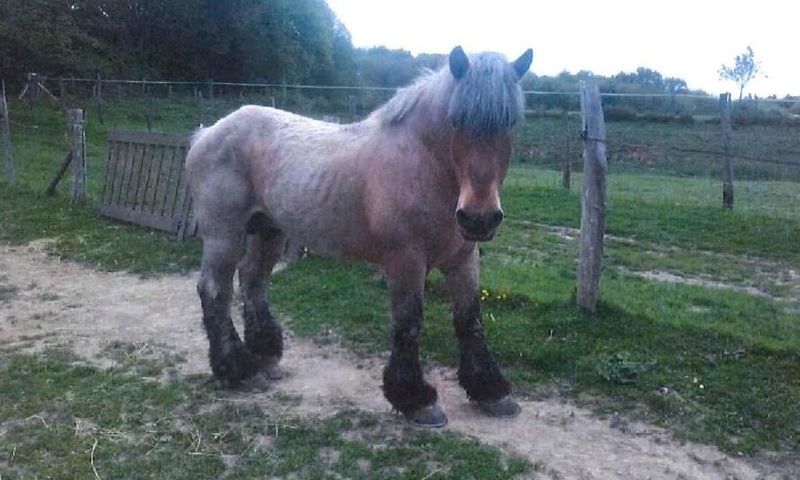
[207,288]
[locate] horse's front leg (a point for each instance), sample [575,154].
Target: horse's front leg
[478,372]
[403,382]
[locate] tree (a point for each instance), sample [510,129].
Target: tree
[745,68]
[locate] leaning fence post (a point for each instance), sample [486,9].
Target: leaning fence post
[727,145]
[7,161]
[78,150]
[590,260]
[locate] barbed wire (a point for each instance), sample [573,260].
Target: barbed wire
[623,146]
[391,89]
[695,151]
[228,84]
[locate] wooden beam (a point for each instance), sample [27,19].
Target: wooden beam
[51,189]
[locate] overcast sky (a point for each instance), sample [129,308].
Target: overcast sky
[678,38]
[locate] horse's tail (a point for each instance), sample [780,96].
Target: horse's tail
[197,134]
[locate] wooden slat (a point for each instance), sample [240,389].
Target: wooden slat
[169,194]
[126,165]
[144,176]
[148,202]
[176,178]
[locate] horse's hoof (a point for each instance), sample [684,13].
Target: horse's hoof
[271,370]
[430,416]
[505,407]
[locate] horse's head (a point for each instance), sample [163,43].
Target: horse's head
[486,105]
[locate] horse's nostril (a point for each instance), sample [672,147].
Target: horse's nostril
[467,220]
[497,217]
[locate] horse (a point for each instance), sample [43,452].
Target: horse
[414,186]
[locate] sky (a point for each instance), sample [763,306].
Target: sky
[679,38]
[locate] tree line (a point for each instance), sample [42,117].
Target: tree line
[270,41]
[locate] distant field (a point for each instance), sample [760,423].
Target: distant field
[763,152]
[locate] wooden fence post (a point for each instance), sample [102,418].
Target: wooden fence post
[590,261]
[566,167]
[78,150]
[727,166]
[7,161]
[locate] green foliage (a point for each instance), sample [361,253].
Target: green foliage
[292,41]
[619,368]
[745,68]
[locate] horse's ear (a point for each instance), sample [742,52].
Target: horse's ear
[459,63]
[523,63]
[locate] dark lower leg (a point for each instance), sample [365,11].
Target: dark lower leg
[263,335]
[230,362]
[478,372]
[403,383]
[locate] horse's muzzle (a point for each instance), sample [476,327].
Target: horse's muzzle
[478,227]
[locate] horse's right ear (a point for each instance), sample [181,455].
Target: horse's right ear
[523,63]
[459,63]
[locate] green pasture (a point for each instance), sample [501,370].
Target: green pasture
[713,354]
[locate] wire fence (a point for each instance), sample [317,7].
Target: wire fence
[667,134]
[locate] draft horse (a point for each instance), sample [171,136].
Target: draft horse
[412,187]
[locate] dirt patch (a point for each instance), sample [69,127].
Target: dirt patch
[65,303]
[666,277]
[767,278]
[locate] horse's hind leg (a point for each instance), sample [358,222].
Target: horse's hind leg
[230,361]
[263,336]
[478,372]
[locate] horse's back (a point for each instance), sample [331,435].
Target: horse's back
[299,172]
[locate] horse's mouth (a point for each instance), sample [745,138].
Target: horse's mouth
[477,237]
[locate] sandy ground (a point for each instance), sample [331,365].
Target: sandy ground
[61,302]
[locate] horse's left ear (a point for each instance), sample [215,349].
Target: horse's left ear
[459,63]
[523,63]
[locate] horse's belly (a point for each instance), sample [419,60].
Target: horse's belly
[331,227]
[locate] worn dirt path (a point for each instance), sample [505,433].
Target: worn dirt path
[62,302]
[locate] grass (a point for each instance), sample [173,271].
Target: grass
[62,418]
[717,366]
[80,234]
